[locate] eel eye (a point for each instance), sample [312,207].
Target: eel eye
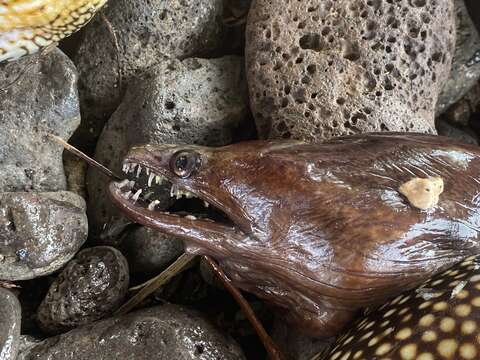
[184,163]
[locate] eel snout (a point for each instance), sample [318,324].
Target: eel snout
[150,169]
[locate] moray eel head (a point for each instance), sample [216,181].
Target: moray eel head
[226,179]
[319,230]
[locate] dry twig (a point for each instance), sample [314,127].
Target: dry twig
[267,341]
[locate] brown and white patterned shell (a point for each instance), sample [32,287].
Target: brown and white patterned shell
[26,26]
[438,320]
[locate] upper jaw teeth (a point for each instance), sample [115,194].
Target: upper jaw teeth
[150,178]
[178,193]
[136,169]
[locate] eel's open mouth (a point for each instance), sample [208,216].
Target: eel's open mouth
[190,215]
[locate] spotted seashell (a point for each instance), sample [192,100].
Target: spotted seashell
[438,320]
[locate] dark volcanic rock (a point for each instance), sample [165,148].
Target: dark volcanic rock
[91,286]
[460,113]
[463,134]
[43,100]
[10,313]
[147,32]
[318,69]
[163,332]
[465,70]
[195,101]
[39,232]
[149,251]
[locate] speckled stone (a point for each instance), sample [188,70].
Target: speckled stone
[42,100]
[162,332]
[10,314]
[39,232]
[147,31]
[90,287]
[194,101]
[318,69]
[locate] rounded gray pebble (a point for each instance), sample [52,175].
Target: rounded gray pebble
[44,100]
[90,287]
[149,251]
[10,320]
[39,232]
[161,332]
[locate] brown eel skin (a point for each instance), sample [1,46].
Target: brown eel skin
[438,320]
[320,230]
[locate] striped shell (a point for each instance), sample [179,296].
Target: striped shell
[26,26]
[438,320]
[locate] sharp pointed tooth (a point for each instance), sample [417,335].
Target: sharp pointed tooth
[127,195]
[152,205]
[136,195]
[150,179]
[206,204]
[190,217]
[147,170]
[173,191]
[139,170]
[158,179]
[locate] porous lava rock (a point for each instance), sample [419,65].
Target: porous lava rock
[318,69]
[146,32]
[10,314]
[161,332]
[194,101]
[38,95]
[39,232]
[91,286]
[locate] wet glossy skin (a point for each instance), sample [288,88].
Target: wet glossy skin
[438,320]
[321,230]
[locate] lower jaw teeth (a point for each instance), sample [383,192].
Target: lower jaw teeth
[152,205]
[137,195]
